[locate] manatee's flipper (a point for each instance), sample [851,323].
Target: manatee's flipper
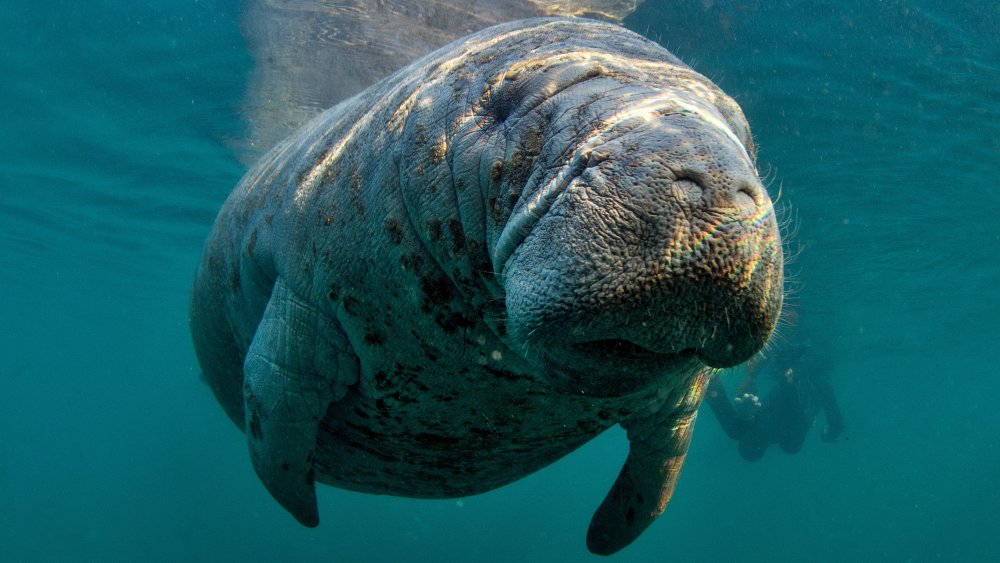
[289,381]
[658,444]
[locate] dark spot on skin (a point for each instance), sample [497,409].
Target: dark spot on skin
[501,327]
[638,498]
[496,171]
[533,140]
[255,429]
[496,213]
[438,291]
[252,243]
[630,516]
[374,338]
[382,406]
[434,230]
[604,415]
[286,467]
[394,230]
[381,380]
[351,305]
[457,236]
[268,219]
[436,153]
[315,250]
[334,292]
[520,168]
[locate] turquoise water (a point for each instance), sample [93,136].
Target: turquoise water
[879,123]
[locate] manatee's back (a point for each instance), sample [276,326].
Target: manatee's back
[308,56]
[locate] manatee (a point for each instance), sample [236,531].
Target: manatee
[470,269]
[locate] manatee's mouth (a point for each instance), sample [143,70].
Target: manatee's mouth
[619,354]
[623,352]
[614,367]
[626,350]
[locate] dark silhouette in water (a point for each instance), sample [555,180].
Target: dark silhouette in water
[800,392]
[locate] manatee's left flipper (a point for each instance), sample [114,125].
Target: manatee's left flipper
[658,444]
[292,372]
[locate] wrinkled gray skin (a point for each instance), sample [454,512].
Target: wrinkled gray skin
[464,273]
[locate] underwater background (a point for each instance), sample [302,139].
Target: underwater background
[878,124]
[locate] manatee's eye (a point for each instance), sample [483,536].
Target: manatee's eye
[502,104]
[500,100]
[502,96]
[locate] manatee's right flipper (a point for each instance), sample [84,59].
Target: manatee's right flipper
[289,381]
[658,445]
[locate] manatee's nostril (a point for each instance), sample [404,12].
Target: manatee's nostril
[745,197]
[748,195]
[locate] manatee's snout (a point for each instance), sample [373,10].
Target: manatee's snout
[725,268]
[650,260]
